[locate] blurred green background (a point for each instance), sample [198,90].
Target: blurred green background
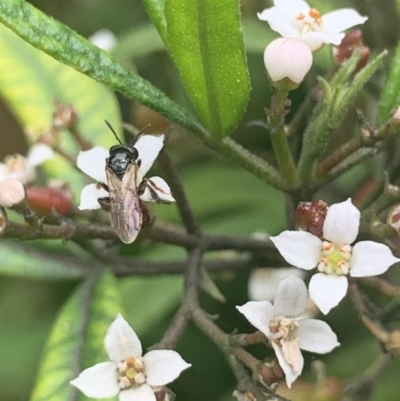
[225,199]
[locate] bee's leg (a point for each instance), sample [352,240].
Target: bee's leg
[145,213]
[103,185]
[105,203]
[152,195]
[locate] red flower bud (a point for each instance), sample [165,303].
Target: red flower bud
[352,41]
[43,200]
[310,216]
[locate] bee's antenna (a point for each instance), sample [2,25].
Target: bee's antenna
[113,131]
[143,130]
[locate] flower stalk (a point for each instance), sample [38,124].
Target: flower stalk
[276,119]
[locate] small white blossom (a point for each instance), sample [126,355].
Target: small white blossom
[93,163]
[24,168]
[287,333]
[133,376]
[334,256]
[296,19]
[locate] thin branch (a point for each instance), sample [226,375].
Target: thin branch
[185,211]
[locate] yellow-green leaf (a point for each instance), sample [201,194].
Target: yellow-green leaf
[76,339]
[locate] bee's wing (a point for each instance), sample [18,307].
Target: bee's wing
[125,209]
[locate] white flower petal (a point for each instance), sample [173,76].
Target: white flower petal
[370,258]
[316,336]
[93,163]
[315,40]
[327,290]
[98,381]
[163,366]
[340,20]
[290,375]
[89,196]
[141,393]
[299,248]
[292,8]
[104,39]
[38,154]
[149,147]
[291,299]
[263,283]
[342,223]
[157,190]
[259,314]
[278,22]
[121,342]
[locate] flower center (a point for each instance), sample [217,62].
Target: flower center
[335,259]
[310,21]
[131,372]
[285,333]
[14,163]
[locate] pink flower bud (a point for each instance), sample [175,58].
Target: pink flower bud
[288,58]
[12,192]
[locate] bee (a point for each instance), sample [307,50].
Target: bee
[128,212]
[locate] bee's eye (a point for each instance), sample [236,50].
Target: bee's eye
[135,153]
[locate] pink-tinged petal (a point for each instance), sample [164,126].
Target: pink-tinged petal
[287,58]
[290,375]
[163,366]
[121,342]
[157,190]
[149,147]
[89,196]
[299,248]
[342,223]
[291,299]
[316,336]
[278,22]
[98,381]
[327,290]
[315,40]
[93,163]
[38,154]
[292,8]
[370,258]
[340,20]
[258,313]
[263,283]
[141,393]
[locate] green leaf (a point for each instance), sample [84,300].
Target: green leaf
[76,339]
[155,9]
[390,96]
[30,81]
[68,47]
[205,41]
[29,263]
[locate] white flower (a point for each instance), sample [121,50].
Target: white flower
[104,39]
[286,333]
[129,373]
[287,58]
[295,19]
[93,163]
[12,192]
[335,257]
[24,168]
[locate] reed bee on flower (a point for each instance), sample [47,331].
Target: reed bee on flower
[122,188]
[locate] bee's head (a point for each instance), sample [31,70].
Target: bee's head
[120,157]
